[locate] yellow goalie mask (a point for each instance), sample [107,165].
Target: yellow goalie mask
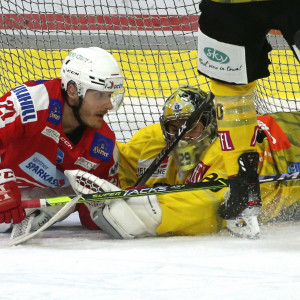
[177,109]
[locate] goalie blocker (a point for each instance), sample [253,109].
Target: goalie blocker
[135,217]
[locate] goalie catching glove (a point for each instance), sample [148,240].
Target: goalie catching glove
[121,218]
[11,210]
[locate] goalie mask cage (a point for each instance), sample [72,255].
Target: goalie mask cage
[155,43]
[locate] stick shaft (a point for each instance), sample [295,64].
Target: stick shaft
[219,183]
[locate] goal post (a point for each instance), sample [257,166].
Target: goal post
[155,43]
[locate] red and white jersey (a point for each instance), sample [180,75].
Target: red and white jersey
[34,146]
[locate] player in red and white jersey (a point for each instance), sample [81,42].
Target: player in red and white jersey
[47,127]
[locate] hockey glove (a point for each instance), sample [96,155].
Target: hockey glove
[11,210]
[86,183]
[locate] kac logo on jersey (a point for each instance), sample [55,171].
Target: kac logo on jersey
[55,111]
[102,147]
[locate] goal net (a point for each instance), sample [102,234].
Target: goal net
[155,43]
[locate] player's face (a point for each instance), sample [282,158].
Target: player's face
[94,106]
[194,132]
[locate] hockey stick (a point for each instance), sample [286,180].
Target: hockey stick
[219,183]
[136,192]
[171,144]
[25,237]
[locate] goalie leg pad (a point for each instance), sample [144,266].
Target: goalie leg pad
[136,217]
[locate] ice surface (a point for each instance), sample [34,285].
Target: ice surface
[70,262]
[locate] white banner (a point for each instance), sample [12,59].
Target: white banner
[221,61]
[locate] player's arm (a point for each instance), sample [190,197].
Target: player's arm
[136,155]
[127,164]
[10,122]
[11,128]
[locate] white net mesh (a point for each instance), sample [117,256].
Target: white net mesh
[155,43]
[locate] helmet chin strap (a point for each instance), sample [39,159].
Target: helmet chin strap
[75,110]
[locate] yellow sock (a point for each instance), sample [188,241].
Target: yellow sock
[237,122]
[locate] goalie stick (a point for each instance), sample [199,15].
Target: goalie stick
[25,235]
[136,192]
[171,144]
[219,183]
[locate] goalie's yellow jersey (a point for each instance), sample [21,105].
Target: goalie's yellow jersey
[195,212]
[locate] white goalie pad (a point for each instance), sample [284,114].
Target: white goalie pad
[134,218]
[120,218]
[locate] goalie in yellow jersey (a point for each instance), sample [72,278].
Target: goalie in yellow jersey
[198,156]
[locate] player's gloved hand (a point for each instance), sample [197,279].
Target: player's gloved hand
[85,183]
[11,210]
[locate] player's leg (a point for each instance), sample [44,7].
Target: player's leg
[237,128]
[233,52]
[236,119]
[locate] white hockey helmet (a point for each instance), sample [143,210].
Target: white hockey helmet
[93,68]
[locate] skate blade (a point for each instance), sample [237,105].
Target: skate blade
[246,227]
